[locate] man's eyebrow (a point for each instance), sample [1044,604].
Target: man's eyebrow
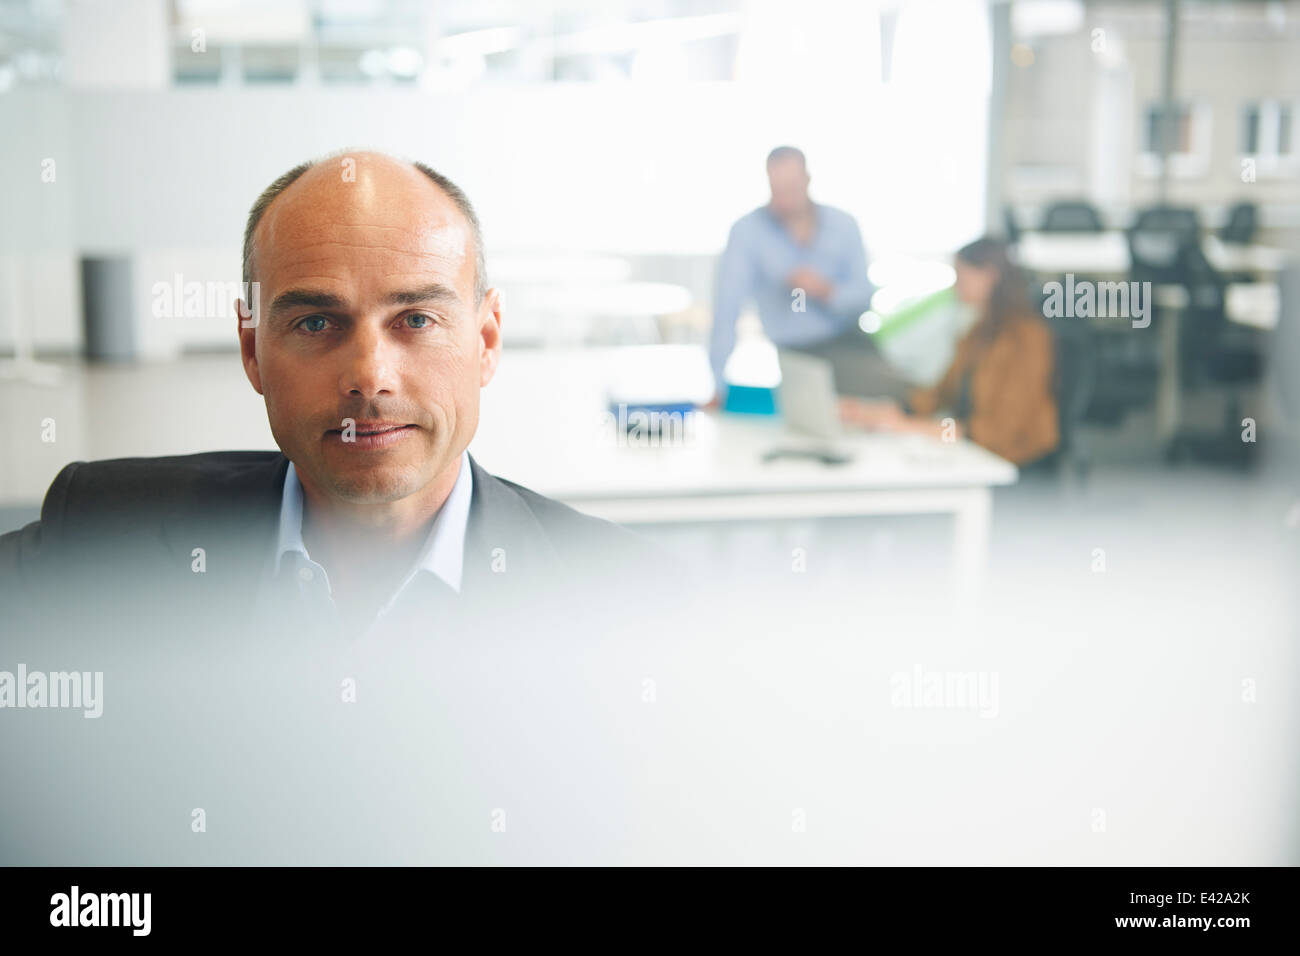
[315,299]
[429,293]
[294,298]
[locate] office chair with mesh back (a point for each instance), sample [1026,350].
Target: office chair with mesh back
[1072,216]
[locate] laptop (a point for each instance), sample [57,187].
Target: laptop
[810,407]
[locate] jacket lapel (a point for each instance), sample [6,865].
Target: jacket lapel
[504,541]
[233,514]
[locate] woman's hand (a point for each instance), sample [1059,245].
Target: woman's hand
[881,414]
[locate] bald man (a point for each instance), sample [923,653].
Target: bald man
[373,331]
[804,267]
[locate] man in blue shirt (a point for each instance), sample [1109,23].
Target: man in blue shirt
[805,267]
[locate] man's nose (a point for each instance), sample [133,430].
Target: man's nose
[369,368]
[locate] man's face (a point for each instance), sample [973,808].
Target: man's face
[368,315]
[789,183]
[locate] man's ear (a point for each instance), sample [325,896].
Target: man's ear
[489,336]
[247,331]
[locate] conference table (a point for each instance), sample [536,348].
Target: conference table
[546,423]
[1083,253]
[1106,254]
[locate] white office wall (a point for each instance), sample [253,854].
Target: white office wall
[41,289]
[581,167]
[1075,109]
[117,43]
[167,175]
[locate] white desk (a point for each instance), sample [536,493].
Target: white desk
[1107,254]
[1231,257]
[1087,253]
[1256,305]
[543,426]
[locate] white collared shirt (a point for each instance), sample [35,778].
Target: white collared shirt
[442,554]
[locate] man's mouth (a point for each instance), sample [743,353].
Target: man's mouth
[374,428]
[371,434]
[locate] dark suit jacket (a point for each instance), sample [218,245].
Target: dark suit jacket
[525,692]
[121,536]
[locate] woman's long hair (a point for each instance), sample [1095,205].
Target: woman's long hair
[1010,296]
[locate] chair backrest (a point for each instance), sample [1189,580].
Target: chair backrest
[1206,286]
[1073,215]
[1014,232]
[1159,240]
[1208,348]
[1242,224]
[1074,377]
[1182,220]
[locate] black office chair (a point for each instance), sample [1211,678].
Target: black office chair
[1182,219]
[1014,232]
[1242,224]
[1127,367]
[1214,353]
[1158,242]
[1072,216]
[1074,381]
[1240,230]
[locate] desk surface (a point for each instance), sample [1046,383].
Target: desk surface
[1231,257]
[545,425]
[1107,253]
[1060,252]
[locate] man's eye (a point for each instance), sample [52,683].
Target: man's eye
[418,321]
[314,323]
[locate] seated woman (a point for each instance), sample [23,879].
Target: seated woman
[998,388]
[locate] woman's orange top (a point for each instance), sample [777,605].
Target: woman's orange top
[1012,407]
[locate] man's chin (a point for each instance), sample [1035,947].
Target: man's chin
[373,486]
[365,482]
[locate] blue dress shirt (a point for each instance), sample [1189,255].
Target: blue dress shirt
[761,254]
[442,555]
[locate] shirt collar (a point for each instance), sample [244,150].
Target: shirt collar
[775,220]
[443,552]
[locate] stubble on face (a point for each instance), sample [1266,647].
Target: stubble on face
[391,231]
